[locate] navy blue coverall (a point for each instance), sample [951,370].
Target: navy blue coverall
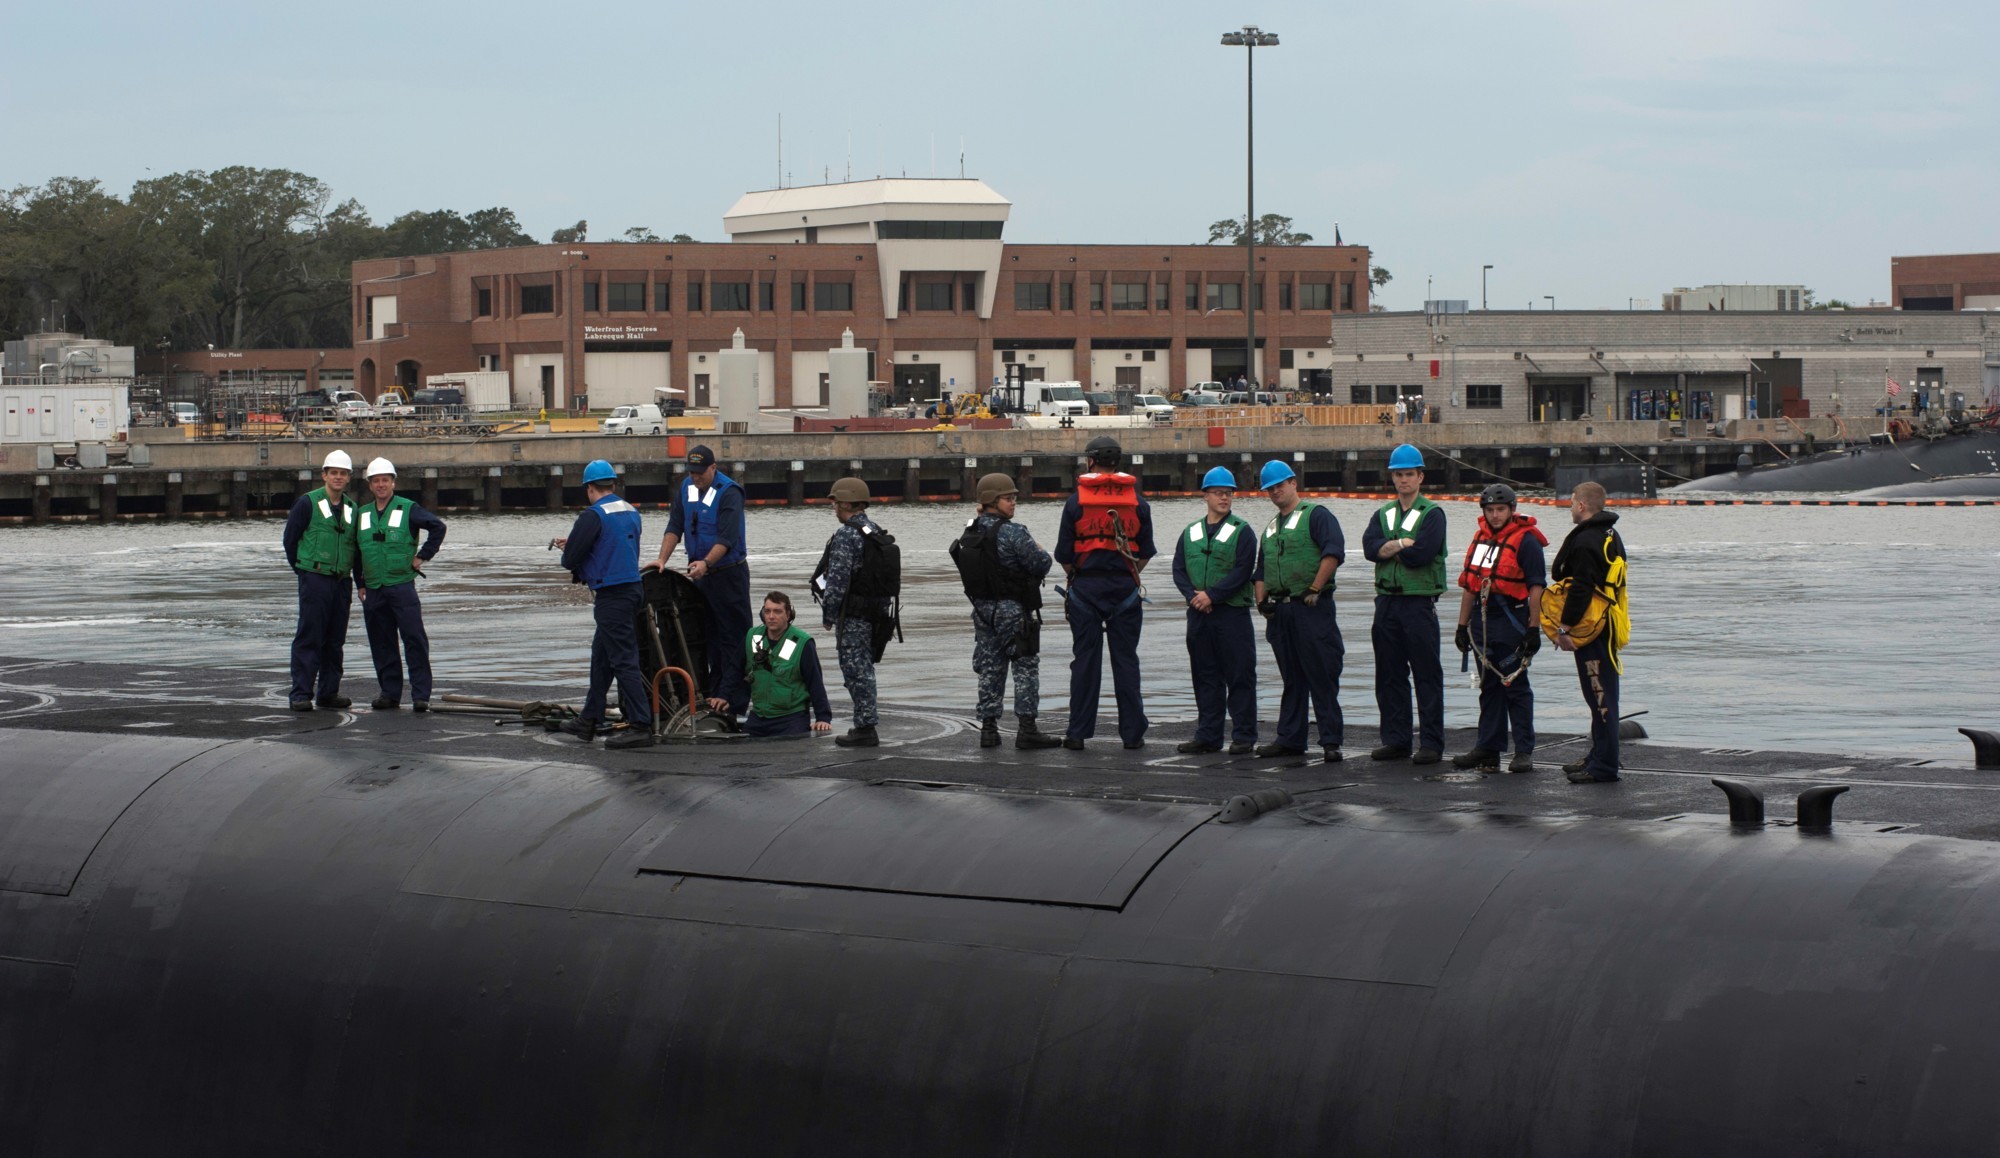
[1222,649]
[726,586]
[324,604]
[1310,653]
[394,611]
[1405,634]
[618,594]
[1103,600]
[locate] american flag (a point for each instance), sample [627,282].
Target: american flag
[1895,388]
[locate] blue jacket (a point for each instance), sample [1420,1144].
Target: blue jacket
[603,547]
[704,518]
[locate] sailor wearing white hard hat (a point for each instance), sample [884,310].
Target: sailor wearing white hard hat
[320,545]
[391,560]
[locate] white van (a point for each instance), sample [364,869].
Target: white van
[634,420]
[1055,398]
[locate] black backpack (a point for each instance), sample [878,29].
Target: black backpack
[880,575]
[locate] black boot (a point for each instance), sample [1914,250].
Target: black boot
[989,733]
[1026,735]
[858,738]
[1477,758]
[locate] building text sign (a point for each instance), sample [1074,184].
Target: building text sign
[620,333]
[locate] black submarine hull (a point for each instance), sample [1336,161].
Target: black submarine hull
[1864,467]
[259,947]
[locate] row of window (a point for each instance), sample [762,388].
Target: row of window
[938,230]
[1131,295]
[630,297]
[1478,395]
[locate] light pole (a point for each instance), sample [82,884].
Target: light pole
[1250,39]
[1482,287]
[1551,299]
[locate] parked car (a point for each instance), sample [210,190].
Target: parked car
[1201,398]
[309,404]
[392,404]
[440,402]
[352,409]
[183,414]
[633,420]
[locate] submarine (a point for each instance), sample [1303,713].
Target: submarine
[1941,456]
[230,929]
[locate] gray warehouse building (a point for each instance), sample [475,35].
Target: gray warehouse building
[1554,366]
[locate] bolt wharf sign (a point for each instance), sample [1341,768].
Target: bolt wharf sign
[620,333]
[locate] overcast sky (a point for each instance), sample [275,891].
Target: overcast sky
[1597,152]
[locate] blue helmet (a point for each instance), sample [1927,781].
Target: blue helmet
[1218,476]
[1274,472]
[1406,457]
[599,471]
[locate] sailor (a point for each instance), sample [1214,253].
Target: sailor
[1592,562]
[1302,546]
[856,585]
[1103,540]
[1002,567]
[708,512]
[390,562]
[1405,541]
[601,551]
[319,544]
[1214,559]
[1502,577]
[785,679]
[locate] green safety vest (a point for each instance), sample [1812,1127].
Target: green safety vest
[1392,576]
[327,547]
[1291,558]
[388,544]
[1210,557]
[776,686]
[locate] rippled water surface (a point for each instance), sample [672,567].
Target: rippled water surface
[1831,629]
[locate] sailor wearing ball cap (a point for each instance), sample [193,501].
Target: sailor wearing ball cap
[320,546]
[708,513]
[386,538]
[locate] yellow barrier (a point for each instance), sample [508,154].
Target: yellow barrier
[1282,415]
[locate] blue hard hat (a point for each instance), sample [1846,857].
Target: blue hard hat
[1218,476]
[1406,457]
[599,471]
[1274,472]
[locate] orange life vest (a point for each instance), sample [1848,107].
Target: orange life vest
[1495,557]
[1109,518]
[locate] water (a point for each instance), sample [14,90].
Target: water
[1822,629]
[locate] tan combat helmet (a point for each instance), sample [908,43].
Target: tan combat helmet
[850,490]
[996,486]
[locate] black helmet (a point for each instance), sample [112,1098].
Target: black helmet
[1103,448]
[1497,493]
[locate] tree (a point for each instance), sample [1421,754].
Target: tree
[571,236]
[641,233]
[1272,229]
[444,231]
[1379,277]
[681,237]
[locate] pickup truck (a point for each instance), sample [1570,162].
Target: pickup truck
[633,420]
[1155,408]
[392,404]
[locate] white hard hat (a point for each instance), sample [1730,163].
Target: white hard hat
[381,466]
[337,459]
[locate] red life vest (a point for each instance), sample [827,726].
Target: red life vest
[1496,556]
[1110,504]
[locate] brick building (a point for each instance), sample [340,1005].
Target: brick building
[1954,281]
[917,269]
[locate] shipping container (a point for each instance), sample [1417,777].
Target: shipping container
[31,413]
[486,391]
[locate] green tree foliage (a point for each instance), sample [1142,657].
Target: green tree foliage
[1379,277]
[1272,229]
[445,231]
[571,236]
[640,233]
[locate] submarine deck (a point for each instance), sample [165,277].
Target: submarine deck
[1662,781]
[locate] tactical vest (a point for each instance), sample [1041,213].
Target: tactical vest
[777,688]
[327,547]
[876,579]
[1495,557]
[699,510]
[1392,576]
[1210,557]
[614,558]
[1291,558]
[976,553]
[1108,514]
[388,544]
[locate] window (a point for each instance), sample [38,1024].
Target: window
[1480,396]
[1315,297]
[1225,295]
[1006,356]
[1257,294]
[730,295]
[627,296]
[934,295]
[938,230]
[1347,295]
[694,297]
[798,297]
[968,296]
[663,296]
[1128,295]
[1387,392]
[1031,295]
[1147,355]
[1097,295]
[1194,293]
[833,295]
[1360,395]
[765,290]
[1285,295]
[1069,295]
[538,299]
[590,295]
[1161,297]
[1285,359]
[485,296]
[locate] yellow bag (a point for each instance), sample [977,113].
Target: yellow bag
[1606,607]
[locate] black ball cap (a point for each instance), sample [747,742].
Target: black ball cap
[701,458]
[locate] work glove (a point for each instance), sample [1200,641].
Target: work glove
[1462,638]
[1267,607]
[1312,599]
[1531,644]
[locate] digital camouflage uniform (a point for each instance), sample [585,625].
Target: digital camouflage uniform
[853,630]
[995,623]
